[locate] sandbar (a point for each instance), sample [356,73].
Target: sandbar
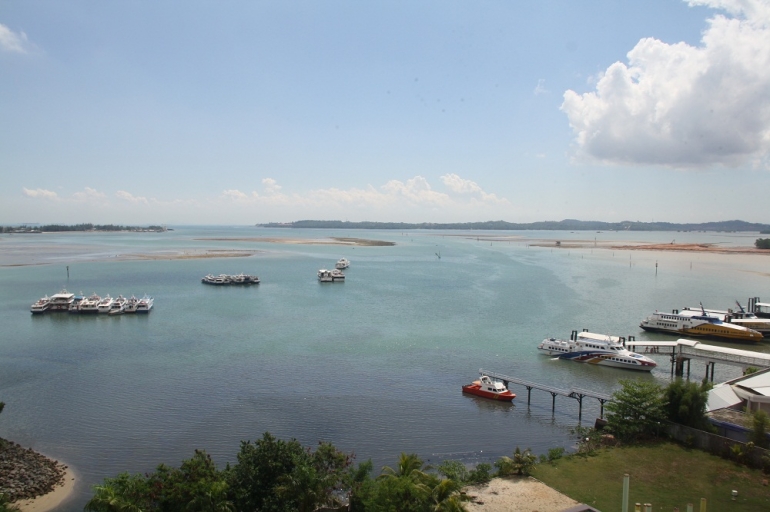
[522,494]
[307,241]
[51,500]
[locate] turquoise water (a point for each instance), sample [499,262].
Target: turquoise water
[374,364]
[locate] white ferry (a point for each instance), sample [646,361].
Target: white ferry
[90,304]
[740,317]
[342,264]
[599,349]
[105,304]
[61,301]
[698,323]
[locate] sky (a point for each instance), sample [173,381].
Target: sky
[241,112]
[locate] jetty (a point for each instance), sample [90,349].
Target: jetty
[683,351]
[573,392]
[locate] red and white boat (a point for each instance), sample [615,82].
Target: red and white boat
[489,388]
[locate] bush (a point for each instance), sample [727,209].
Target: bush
[637,410]
[520,464]
[481,474]
[760,423]
[762,243]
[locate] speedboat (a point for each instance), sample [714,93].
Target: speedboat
[599,349]
[41,306]
[698,323]
[489,388]
[144,305]
[342,264]
[61,301]
[337,275]
[325,276]
[105,304]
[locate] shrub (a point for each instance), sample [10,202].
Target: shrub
[762,243]
[760,423]
[521,463]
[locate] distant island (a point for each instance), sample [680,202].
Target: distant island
[563,225]
[48,228]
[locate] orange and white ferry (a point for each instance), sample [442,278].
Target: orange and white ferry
[489,388]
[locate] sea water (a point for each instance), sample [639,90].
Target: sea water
[374,365]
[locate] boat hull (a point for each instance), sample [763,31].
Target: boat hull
[746,337]
[600,359]
[475,389]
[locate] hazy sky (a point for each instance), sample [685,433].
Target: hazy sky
[239,112]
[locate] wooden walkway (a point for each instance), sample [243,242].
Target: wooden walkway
[576,393]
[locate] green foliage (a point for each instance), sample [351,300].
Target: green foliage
[456,471]
[124,493]
[760,425]
[521,463]
[481,474]
[276,475]
[636,410]
[686,403]
[555,454]
[588,440]
[750,369]
[762,243]
[5,506]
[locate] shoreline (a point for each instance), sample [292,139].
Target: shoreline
[50,501]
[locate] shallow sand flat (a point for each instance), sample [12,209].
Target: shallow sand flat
[51,500]
[524,494]
[305,241]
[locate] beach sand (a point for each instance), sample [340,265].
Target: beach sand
[51,500]
[523,494]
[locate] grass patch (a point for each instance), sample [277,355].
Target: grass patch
[664,474]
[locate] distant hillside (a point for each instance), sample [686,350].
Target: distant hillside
[563,225]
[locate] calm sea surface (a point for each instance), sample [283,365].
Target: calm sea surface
[373,365]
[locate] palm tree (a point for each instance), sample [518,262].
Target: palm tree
[445,497]
[409,465]
[213,500]
[107,498]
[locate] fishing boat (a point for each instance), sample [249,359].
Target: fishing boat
[342,264]
[598,349]
[698,323]
[40,306]
[487,387]
[144,305]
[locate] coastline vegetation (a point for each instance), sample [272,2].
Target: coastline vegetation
[500,225]
[52,228]
[762,243]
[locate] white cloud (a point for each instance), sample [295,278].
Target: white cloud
[127,196]
[236,195]
[12,42]
[89,194]
[540,87]
[271,186]
[467,187]
[683,106]
[40,193]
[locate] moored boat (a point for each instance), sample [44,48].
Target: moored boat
[738,317]
[61,301]
[131,304]
[487,387]
[599,349]
[118,306]
[105,304]
[698,323]
[337,275]
[90,304]
[325,276]
[40,306]
[342,263]
[144,305]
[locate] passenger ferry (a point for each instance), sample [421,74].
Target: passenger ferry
[40,306]
[61,301]
[90,304]
[698,323]
[144,305]
[599,349]
[740,317]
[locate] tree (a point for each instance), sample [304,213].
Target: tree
[686,403]
[762,243]
[124,493]
[636,410]
[760,424]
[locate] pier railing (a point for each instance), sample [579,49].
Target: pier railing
[576,393]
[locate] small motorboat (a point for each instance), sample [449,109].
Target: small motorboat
[488,388]
[342,263]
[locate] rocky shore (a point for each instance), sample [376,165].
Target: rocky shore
[26,474]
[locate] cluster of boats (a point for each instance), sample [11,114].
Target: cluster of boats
[729,325]
[335,275]
[66,301]
[223,279]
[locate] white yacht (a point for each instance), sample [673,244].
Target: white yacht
[698,323]
[118,306]
[105,304]
[131,305]
[144,305]
[41,306]
[90,304]
[325,276]
[599,349]
[342,264]
[337,275]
